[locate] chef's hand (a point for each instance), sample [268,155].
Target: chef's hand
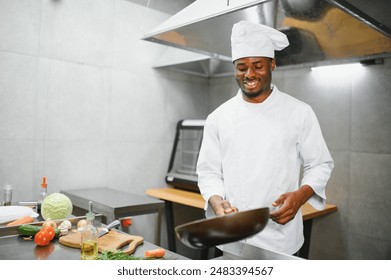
[290,203]
[221,206]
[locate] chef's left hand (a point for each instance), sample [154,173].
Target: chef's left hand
[290,203]
[288,209]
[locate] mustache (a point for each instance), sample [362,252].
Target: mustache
[251,79]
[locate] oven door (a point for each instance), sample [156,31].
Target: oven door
[187,143]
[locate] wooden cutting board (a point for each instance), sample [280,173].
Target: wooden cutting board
[112,241]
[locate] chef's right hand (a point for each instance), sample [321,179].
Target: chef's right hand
[221,206]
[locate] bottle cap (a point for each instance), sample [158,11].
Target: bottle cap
[44,184]
[8,187]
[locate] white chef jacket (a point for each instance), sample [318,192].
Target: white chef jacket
[252,153]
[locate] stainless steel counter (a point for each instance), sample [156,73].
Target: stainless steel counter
[15,247]
[244,251]
[114,204]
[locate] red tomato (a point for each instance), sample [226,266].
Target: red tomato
[49,231]
[41,238]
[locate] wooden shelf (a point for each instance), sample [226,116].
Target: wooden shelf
[178,196]
[195,200]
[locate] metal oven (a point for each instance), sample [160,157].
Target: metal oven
[182,167]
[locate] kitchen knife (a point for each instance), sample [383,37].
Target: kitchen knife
[108,227]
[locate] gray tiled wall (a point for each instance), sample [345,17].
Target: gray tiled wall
[80,102]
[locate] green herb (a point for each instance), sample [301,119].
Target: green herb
[117,255]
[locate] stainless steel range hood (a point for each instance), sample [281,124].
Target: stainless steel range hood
[319,31]
[194,63]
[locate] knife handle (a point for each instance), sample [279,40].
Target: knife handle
[113,224]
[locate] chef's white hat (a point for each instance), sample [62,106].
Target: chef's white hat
[251,39]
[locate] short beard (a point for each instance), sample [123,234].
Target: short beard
[252,95]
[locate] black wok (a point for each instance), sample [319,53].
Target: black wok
[232,227]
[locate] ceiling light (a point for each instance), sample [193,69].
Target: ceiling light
[338,68]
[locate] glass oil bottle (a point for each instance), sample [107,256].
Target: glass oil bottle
[89,237]
[42,194]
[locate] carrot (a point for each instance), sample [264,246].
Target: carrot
[21,221]
[155,253]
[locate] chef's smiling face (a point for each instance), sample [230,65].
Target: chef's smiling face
[254,75]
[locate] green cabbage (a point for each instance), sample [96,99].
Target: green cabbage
[56,206]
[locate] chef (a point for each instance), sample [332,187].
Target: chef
[256,144]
